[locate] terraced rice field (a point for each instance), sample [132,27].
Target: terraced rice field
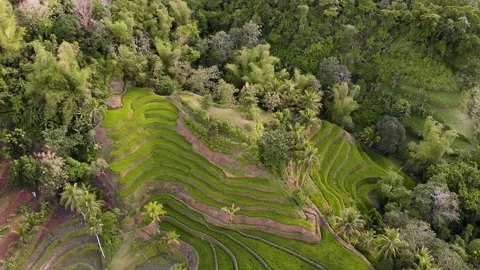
[154,162]
[68,246]
[346,174]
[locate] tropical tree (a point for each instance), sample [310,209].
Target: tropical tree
[350,225]
[424,259]
[342,105]
[367,240]
[390,243]
[90,205]
[172,240]
[72,197]
[312,100]
[230,211]
[306,161]
[369,136]
[154,211]
[23,231]
[96,228]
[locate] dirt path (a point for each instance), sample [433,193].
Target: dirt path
[218,159]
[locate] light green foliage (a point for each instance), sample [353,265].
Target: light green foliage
[435,144]
[255,66]
[57,85]
[134,65]
[120,30]
[11,36]
[342,105]
[17,143]
[390,243]
[180,11]
[350,224]
[224,93]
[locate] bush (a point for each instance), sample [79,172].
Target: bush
[276,149]
[25,173]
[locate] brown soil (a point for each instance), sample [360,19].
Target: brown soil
[219,218]
[5,166]
[114,102]
[21,198]
[102,138]
[218,159]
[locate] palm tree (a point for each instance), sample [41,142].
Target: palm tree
[306,161]
[154,211]
[23,231]
[367,240]
[90,205]
[231,211]
[424,259]
[172,240]
[96,228]
[72,197]
[309,118]
[312,100]
[390,243]
[350,224]
[369,136]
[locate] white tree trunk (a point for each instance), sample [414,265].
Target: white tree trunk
[100,245]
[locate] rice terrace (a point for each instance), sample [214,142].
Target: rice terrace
[239,135]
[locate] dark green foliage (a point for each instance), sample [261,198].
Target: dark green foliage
[25,173]
[392,134]
[66,27]
[276,149]
[59,142]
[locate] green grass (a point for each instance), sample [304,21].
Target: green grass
[343,168]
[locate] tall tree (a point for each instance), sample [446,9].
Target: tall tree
[154,211]
[435,144]
[390,243]
[342,105]
[11,36]
[57,85]
[350,224]
[306,161]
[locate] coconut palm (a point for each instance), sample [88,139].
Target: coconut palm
[367,240]
[390,243]
[96,228]
[154,211]
[424,260]
[312,100]
[72,197]
[369,136]
[306,161]
[172,240]
[90,205]
[308,117]
[350,224]
[231,211]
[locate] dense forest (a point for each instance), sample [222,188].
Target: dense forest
[255,134]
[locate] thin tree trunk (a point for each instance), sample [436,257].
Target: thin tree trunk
[100,245]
